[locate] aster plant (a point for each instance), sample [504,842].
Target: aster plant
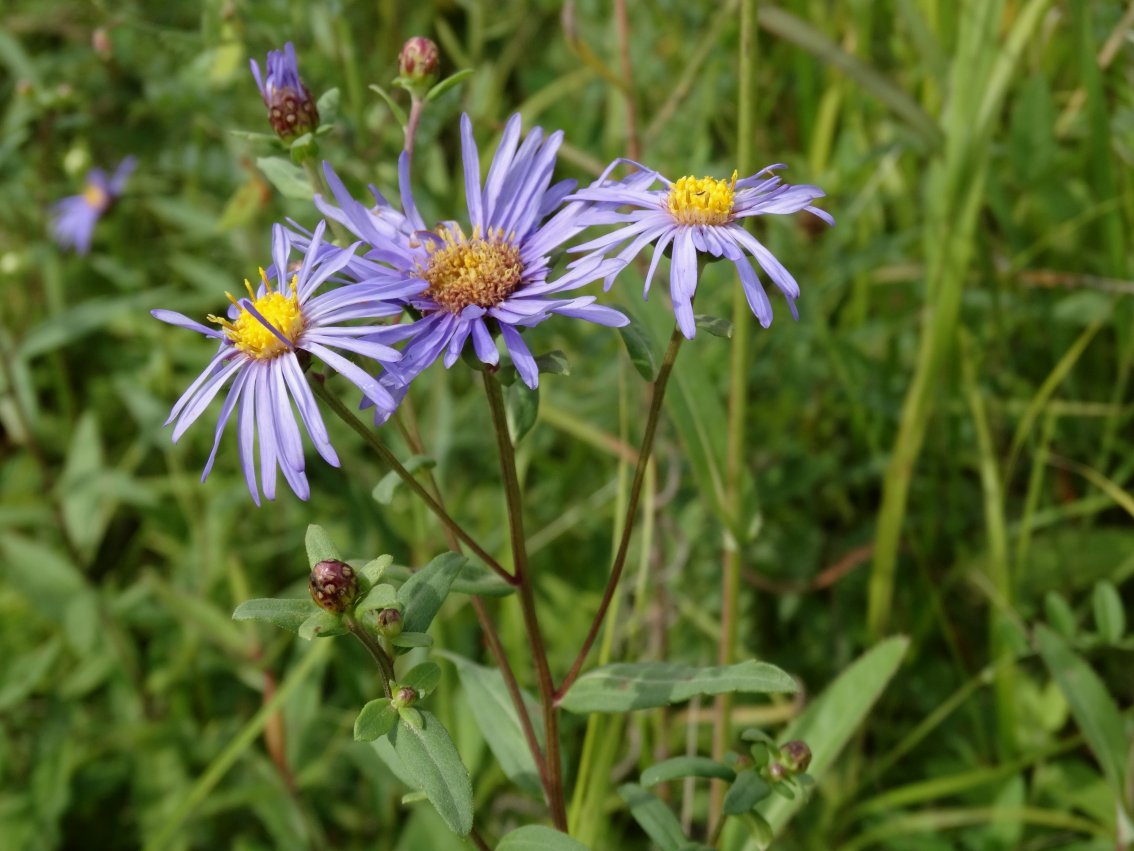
[74,217]
[396,294]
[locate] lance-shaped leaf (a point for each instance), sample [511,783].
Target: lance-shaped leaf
[321,625]
[422,678]
[319,546]
[686,766]
[425,591]
[286,614]
[747,791]
[536,837]
[625,686]
[655,818]
[431,759]
[377,718]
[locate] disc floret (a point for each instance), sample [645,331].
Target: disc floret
[248,332]
[702,200]
[480,270]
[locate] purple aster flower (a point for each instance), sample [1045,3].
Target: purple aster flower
[291,109]
[75,216]
[697,216]
[265,343]
[496,276]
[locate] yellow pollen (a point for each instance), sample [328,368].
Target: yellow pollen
[481,269]
[702,200]
[95,196]
[248,333]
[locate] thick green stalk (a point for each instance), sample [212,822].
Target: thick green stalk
[737,411]
[515,502]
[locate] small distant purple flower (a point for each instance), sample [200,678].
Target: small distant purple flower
[467,285]
[265,343]
[291,109]
[75,216]
[697,215]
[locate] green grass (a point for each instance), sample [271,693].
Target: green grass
[956,398]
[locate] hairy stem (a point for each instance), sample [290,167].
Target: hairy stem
[374,647]
[368,434]
[416,108]
[408,424]
[515,503]
[657,396]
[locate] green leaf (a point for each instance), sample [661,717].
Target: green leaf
[387,486]
[686,766]
[496,716]
[288,178]
[412,639]
[377,718]
[830,721]
[1059,614]
[321,625]
[373,570]
[715,325]
[656,819]
[286,614]
[521,406]
[1092,706]
[412,717]
[748,790]
[319,546]
[379,597]
[640,349]
[249,136]
[425,591]
[1110,618]
[399,113]
[553,363]
[448,83]
[328,106]
[536,837]
[625,686]
[422,678]
[430,757]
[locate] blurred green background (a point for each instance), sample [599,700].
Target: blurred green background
[941,447]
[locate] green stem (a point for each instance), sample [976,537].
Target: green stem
[659,386]
[380,656]
[515,502]
[316,181]
[737,411]
[388,457]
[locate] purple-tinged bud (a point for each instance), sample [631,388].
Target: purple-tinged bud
[776,772]
[796,756]
[334,586]
[419,62]
[291,108]
[403,697]
[100,41]
[390,623]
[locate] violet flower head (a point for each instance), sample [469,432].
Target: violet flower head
[291,109]
[74,217]
[697,216]
[494,277]
[267,340]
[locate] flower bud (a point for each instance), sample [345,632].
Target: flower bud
[334,586]
[419,62]
[390,623]
[796,756]
[100,41]
[777,772]
[291,109]
[403,697]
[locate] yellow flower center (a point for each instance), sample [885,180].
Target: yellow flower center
[702,200]
[481,270]
[95,196]
[248,333]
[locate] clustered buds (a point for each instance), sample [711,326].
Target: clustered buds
[334,586]
[291,108]
[419,62]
